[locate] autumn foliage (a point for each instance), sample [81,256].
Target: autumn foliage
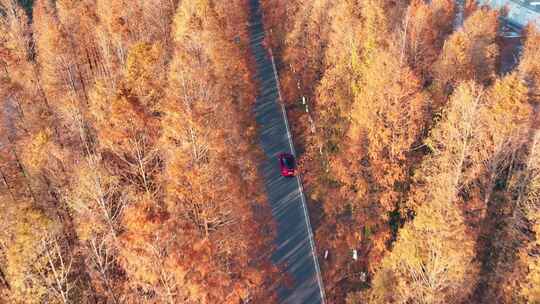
[122,123]
[418,151]
[116,186]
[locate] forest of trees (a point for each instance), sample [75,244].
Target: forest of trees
[419,153]
[121,122]
[115,185]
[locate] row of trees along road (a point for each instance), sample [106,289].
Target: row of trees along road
[121,123]
[423,158]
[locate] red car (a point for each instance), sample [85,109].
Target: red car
[287,164]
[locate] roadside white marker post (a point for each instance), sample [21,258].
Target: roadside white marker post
[311,121]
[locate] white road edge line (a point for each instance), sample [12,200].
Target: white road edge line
[300,187]
[281,103]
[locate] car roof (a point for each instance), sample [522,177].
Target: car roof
[288,160]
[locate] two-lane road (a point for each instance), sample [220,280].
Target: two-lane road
[295,249]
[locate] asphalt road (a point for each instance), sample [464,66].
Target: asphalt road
[520,12]
[527,4]
[458,21]
[294,243]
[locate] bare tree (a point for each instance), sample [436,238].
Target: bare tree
[57,275]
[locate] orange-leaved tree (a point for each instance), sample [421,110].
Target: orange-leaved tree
[432,260]
[468,54]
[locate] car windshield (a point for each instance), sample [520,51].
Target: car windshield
[289,161]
